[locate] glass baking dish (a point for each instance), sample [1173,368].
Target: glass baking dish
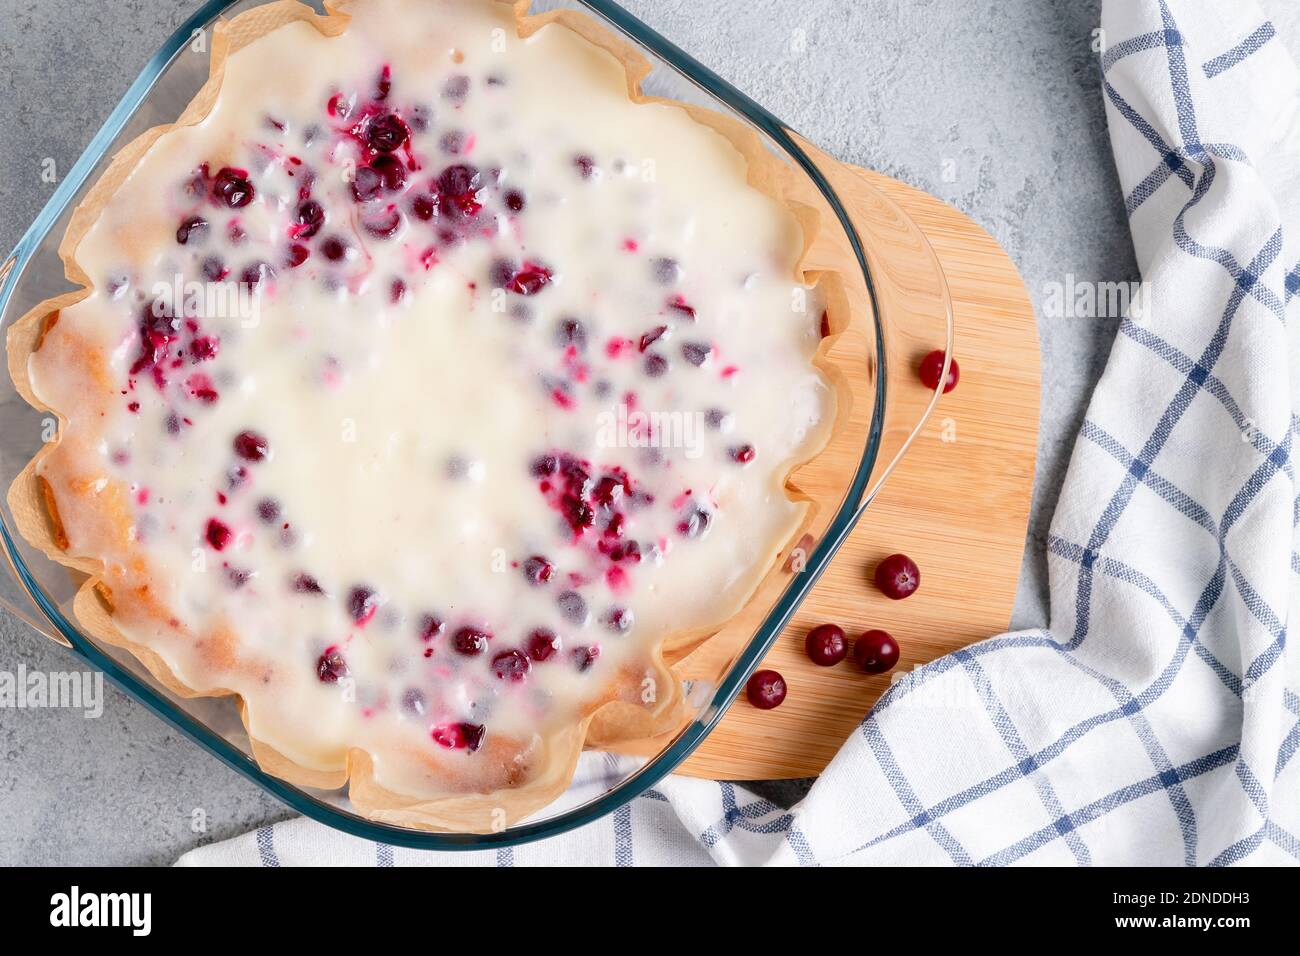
[895,282]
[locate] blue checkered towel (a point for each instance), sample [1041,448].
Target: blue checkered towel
[1156,720]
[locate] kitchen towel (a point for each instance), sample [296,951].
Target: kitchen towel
[1156,720]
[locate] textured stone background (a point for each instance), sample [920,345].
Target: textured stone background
[1008,91]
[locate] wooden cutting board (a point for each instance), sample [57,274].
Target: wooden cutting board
[958,504]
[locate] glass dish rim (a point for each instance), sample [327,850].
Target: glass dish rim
[729,688]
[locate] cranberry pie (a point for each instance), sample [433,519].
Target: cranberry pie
[427,382]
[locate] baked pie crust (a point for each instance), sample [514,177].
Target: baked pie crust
[76,503]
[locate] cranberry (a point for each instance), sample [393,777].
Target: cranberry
[501,272]
[414,702]
[649,338]
[362,603]
[309,217]
[268,509]
[256,274]
[430,627]
[694,523]
[298,254]
[585,165]
[697,353]
[456,87]
[423,207]
[511,665]
[204,348]
[214,270]
[825,645]
[538,570]
[462,736]
[619,620]
[682,308]
[396,291]
[577,513]
[470,641]
[609,489]
[876,652]
[515,201]
[218,534]
[544,466]
[366,184]
[306,584]
[195,227]
[572,607]
[530,280]
[766,689]
[898,576]
[251,446]
[331,666]
[334,249]
[932,366]
[391,172]
[383,224]
[584,657]
[655,365]
[718,419]
[743,454]
[543,644]
[666,271]
[571,331]
[231,186]
[387,133]
[384,84]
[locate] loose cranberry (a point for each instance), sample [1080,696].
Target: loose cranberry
[538,570]
[932,367]
[514,201]
[543,644]
[414,702]
[825,645]
[470,641]
[362,603]
[387,133]
[309,217]
[577,513]
[204,348]
[585,657]
[195,227]
[585,165]
[396,291]
[529,280]
[898,576]
[609,489]
[766,689]
[511,665]
[231,186]
[268,509]
[876,652]
[683,309]
[655,365]
[743,454]
[430,627]
[218,534]
[331,666]
[251,446]
[718,419]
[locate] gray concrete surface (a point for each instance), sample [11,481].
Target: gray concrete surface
[1003,95]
